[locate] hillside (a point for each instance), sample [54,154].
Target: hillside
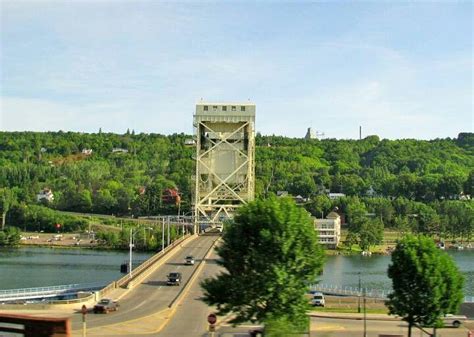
[130,180]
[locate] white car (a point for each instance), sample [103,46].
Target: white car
[318,300]
[454,320]
[189,260]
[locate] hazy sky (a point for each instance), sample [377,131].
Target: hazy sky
[401,70]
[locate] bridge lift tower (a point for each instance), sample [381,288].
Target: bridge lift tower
[225,159]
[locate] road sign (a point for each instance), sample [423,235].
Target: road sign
[212,318]
[212,328]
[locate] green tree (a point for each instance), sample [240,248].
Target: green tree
[6,200]
[426,282]
[370,233]
[271,253]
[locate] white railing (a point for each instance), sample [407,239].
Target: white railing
[349,291]
[52,291]
[332,289]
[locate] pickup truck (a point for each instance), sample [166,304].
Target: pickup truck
[105,305]
[174,279]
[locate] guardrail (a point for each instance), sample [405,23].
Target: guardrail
[43,292]
[331,289]
[125,280]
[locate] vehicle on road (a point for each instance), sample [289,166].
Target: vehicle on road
[454,320]
[318,300]
[189,260]
[174,279]
[105,305]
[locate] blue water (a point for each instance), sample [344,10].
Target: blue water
[344,270]
[38,267]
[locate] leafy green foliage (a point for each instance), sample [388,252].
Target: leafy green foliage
[270,255]
[10,236]
[426,282]
[411,180]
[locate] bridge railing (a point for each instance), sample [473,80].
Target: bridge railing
[51,291]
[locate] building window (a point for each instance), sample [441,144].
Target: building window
[242,108]
[206,108]
[214,108]
[234,108]
[224,108]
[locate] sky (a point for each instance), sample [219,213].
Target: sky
[398,69]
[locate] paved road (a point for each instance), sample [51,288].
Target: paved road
[153,294]
[330,327]
[190,318]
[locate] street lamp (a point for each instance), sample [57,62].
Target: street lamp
[365,316]
[358,295]
[131,246]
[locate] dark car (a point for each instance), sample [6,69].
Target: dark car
[174,279]
[105,305]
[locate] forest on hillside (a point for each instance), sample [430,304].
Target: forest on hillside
[411,183]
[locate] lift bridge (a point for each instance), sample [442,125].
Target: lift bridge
[225,160]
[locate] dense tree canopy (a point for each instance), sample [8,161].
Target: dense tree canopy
[426,282]
[409,180]
[270,253]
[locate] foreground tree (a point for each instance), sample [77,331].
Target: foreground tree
[271,253]
[426,282]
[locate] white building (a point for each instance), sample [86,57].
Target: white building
[45,194]
[333,196]
[329,230]
[87,152]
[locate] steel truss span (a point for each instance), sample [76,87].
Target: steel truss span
[225,159]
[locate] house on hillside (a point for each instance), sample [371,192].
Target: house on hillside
[45,195]
[334,196]
[86,152]
[282,193]
[119,150]
[329,230]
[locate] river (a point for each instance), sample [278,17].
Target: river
[37,267]
[343,270]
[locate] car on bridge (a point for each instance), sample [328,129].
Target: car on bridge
[105,305]
[189,260]
[174,279]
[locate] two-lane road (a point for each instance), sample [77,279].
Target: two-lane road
[152,295]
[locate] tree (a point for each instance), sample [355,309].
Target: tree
[271,253]
[370,233]
[6,200]
[426,282]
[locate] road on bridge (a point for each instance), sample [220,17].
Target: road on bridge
[190,318]
[148,298]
